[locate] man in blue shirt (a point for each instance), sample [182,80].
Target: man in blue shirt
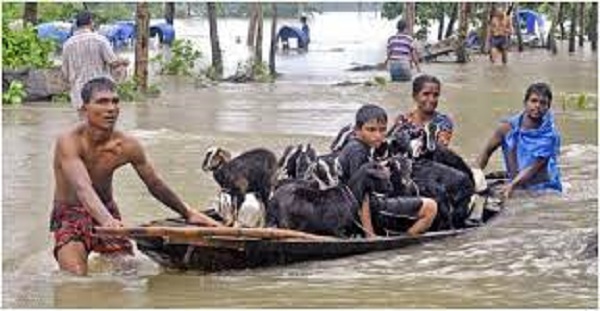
[530,144]
[305,30]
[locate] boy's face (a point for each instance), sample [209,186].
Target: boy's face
[536,106]
[372,133]
[427,98]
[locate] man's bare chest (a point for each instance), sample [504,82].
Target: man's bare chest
[101,162]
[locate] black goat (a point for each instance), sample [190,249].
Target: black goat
[301,206]
[294,163]
[251,171]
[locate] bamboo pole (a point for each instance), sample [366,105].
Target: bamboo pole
[205,232]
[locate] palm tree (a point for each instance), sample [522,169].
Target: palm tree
[409,17]
[258,51]
[30,13]
[594,26]
[551,42]
[572,28]
[581,22]
[251,39]
[217,61]
[453,18]
[272,70]
[517,26]
[461,53]
[142,20]
[169,12]
[561,20]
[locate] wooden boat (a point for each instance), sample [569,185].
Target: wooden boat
[174,244]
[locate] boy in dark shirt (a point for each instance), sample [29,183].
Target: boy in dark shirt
[370,131]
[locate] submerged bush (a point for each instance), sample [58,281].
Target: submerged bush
[23,48]
[14,94]
[128,91]
[182,59]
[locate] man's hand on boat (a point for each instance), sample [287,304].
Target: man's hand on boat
[112,223]
[197,218]
[507,190]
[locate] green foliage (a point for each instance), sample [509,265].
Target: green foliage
[578,101]
[12,11]
[128,91]
[61,98]
[260,72]
[182,60]
[391,10]
[63,11]
[379,80]
[23,48]
[14,94]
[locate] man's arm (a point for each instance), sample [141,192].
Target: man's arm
[365,218]
[109,56]
[159,189]
[77,176]
[64,68]
[415,57]
[492,144]
[525,175]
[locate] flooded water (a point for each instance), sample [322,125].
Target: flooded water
[531,257]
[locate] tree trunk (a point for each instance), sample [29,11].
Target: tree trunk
[485,26]
[517,26]
[215,47]
[142,20]
[594,26]
[453,18]
[461,53]
[272,69]
[251,39]
[581,23]
[258,49]
[572,29]
[561,20]
[441,20]
[169,12]
[189,9]
[551,42]
[409,17]
[30,13]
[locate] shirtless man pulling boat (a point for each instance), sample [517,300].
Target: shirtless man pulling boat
[85,158]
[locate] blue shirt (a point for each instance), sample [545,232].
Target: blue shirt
[532,145]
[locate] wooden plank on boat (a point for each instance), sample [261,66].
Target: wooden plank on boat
[203,232]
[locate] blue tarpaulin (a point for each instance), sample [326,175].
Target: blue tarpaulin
[164,31]
[287,32]
[58,32]
[530,19]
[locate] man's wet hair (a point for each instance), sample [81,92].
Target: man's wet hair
[419,82]
[401,25]
[83,18]
[370,112]
[303,19]
[541,89]
[95,85]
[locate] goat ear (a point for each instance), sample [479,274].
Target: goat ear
[287,153]
[208,158]
[226,155]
